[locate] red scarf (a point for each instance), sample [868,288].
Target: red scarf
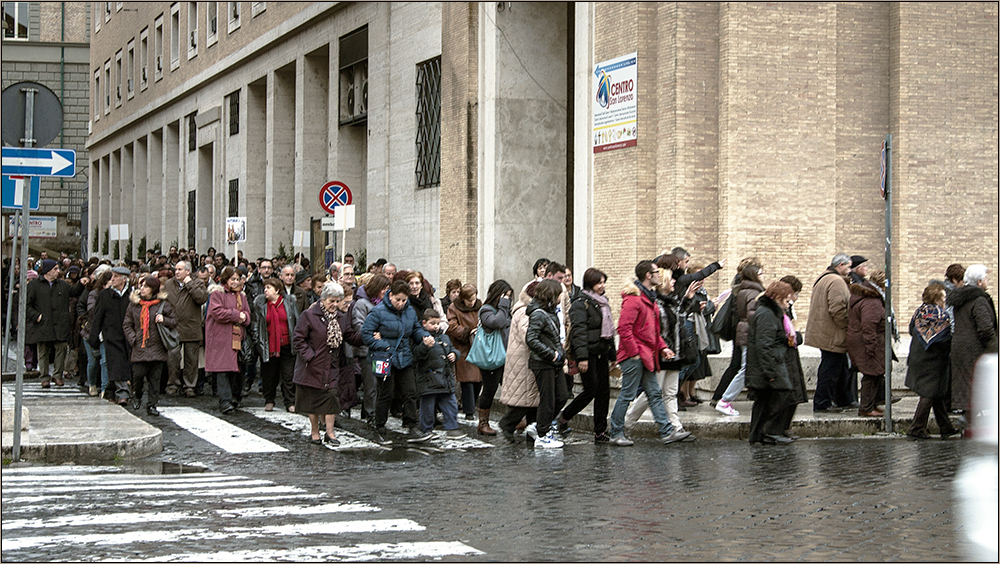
[277,327]
[144,319]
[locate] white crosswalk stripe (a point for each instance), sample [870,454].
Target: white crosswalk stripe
[218,432]
[33,389]
[114,515]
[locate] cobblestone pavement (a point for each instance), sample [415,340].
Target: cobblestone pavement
[875,499]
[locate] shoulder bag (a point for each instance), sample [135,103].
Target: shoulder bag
[487,351]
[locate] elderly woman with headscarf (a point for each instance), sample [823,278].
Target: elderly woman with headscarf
[928,362]
[975,333]
[318,342]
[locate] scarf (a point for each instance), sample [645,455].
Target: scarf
[333,334]
[421,303]
[237,328]
[144,319]
[931,324]
[607,323]
[789,330]
[277,327]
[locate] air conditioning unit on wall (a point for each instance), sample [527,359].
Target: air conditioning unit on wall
[357,91]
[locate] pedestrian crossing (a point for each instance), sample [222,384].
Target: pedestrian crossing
[94,514]
[33,389]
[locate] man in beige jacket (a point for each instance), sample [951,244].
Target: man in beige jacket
[827,331]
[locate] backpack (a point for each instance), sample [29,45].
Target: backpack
[725,320]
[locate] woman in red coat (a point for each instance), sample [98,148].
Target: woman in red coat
[866,339]
[225,328]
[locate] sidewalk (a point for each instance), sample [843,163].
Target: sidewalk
[78,429]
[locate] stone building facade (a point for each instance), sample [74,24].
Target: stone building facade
[51,47]
[759,132]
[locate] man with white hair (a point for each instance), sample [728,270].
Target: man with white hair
[827,331]
[186,295]
[975,333]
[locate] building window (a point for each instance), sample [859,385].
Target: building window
[192,29]
[97,95]
[143,58]
[130,69]
[234,16]
[212,15]
[192,209]
[429,123]
[107,86]
[118,79]
[193,131]
[354,77]
[15,20]
[234,113]
[107,11]
[97,16]
[175,37]
[257,8]
[158,47]
[234,197]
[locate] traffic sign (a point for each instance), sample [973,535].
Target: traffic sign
[334,194]
[39,162]
[13,191]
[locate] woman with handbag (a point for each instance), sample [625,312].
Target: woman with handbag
[225,325]
[592,346]
[318,341]
[748,290]
[271,332]
[147,315]
[463,321]
[494,318]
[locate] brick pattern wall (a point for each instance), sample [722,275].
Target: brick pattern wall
[459,149]
[944,125]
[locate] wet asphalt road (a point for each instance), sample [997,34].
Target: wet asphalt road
[872,499]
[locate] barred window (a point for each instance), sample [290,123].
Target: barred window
[192,132]
[192,208]
[234,113]
[234,197]
[429,123]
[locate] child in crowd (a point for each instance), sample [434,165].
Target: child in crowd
[435,382]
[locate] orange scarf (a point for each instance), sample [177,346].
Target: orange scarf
[144,319]
[237,328]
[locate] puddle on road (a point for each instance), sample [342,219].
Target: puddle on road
[159,467]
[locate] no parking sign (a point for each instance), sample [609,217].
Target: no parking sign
[334,194]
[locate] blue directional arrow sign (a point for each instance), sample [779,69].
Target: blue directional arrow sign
[39,162]
[13,191]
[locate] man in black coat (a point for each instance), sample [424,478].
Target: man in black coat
[48,320]
[108,335]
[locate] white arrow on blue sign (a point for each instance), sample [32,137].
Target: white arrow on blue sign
[39,162]
[13,191]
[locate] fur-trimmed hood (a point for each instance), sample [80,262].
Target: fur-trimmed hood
[865,290]
[961,296]
[134,296]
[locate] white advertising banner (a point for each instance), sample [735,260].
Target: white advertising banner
[616,104]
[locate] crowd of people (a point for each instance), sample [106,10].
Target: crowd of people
[323,343]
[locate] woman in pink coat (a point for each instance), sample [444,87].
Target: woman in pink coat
[225,328]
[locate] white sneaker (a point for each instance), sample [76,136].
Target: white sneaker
[531,431]
[726,408]
[675,436]
[548,441]
[621,440]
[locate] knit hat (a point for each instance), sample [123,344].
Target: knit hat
[31,274]
[857,260]
[73,270]
[46,266]
[301,276]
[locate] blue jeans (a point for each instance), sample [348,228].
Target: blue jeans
[449,411]
[635,374]
[104,370]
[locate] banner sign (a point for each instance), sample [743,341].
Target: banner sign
[616,104]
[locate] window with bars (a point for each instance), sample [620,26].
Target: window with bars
[192,209]
[429,123]
[234,197]
[192,132]
[234,113]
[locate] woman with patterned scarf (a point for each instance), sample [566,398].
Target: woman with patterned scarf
[927,366]
[318,344]
[148,309]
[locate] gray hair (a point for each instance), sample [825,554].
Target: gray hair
[974,274]
[185,264]
[839,259]
[332,290]
[101,269]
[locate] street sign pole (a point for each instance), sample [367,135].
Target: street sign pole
[888,284]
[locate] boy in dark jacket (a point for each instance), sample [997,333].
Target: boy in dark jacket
[434,377]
